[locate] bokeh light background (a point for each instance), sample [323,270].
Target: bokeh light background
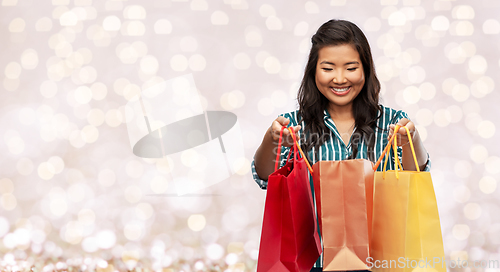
[72,194]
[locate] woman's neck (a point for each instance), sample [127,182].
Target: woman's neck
[341,114]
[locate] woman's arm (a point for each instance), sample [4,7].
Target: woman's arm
[265,156]
[420,150]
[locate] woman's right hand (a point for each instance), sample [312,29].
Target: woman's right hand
[275,129]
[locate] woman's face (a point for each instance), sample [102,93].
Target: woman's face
[339,74]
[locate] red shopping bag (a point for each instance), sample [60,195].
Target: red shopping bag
[289,240]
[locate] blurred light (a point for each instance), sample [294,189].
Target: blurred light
[274,23]
[196,222]
[472,121]
[83,95]
[149,65]
[491,27]
[427,91]
[133,230]
[219,18]
[17,25]
[492,165]
[392,49]
[90,134]
[442,118]
[13,70]
[163,27]
[179,63]
[478,64]
[486,129]
[199,5]
[242,61]
[144,211]
[472,211]
[106,239]
[424,117]
[460,231]
[11,84]
[9,3]
[68,18]
[311,7]
[482,86]
[460,92]
[214,252]
[106,177]
[440,23]
[86,216]
[188,44]
[56,163]
[197,62]
[397,18]
[159,185]
[253,37]
[462,28]
[133,194]
[99,91]
[267,10]
[133,28]
[231,259]
[111,23]
[478,153]
[487,185]
[272,65]
[76,192]
[461,194]
[134,12]
[463,12]
[90,244]
[113,118]
[29,59]
[165,165]
[301,29]
[58,207]
[4,226]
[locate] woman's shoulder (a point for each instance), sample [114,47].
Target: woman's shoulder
[391,115]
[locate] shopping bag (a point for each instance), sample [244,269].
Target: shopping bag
[343,191]
[406,227]
[290,241]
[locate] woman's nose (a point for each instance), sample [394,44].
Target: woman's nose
[339,78]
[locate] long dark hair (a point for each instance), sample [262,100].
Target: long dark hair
[312,103]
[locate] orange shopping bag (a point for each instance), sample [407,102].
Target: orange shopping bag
[289,240]
[343,191]
[406,227]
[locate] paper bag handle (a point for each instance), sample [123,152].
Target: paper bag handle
[300,149]
[393,141]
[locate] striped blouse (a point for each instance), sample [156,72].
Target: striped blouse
[335,149]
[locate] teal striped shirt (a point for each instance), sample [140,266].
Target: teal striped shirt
[335,149]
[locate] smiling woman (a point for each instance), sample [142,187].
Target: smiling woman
[339,115]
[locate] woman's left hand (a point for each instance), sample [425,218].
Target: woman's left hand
[402,135]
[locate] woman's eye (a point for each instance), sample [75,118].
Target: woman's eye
[327,69]
[352,69]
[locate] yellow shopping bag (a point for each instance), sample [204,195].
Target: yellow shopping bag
[406,231]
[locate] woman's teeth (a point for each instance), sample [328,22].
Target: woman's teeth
[341,90]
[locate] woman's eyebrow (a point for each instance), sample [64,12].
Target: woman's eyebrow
[331,63]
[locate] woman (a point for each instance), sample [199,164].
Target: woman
[339,115]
